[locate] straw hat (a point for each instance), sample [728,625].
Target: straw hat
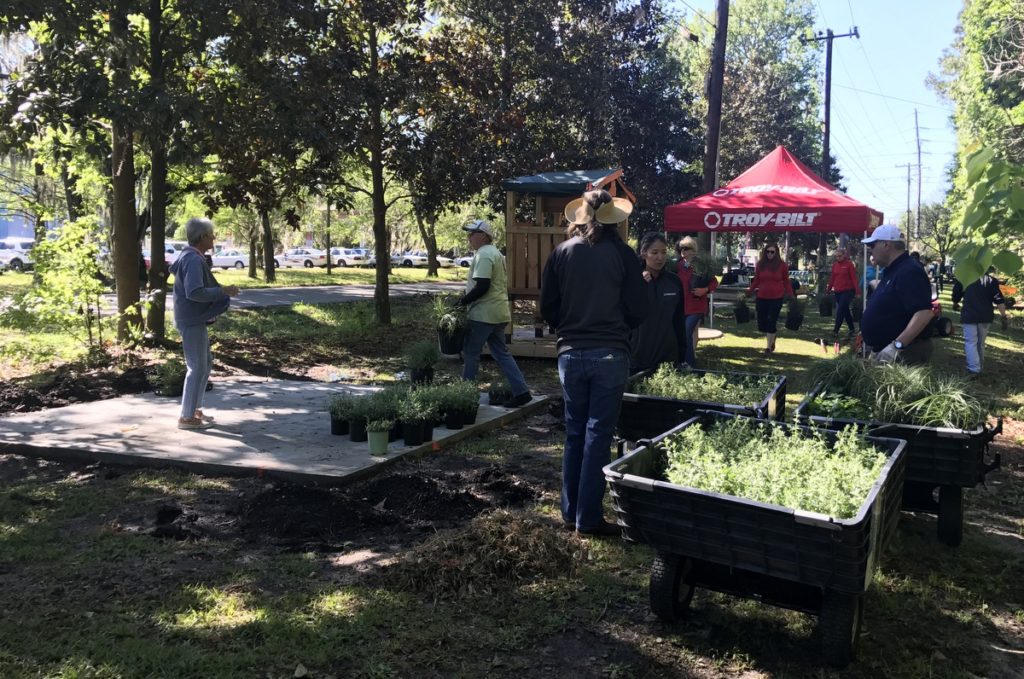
[579,211]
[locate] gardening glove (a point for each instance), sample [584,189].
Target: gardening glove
[1005,323]
[887,355]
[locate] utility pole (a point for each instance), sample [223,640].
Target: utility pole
[715,82]
[917,222]
[907,165]
[328,236]
[828,36]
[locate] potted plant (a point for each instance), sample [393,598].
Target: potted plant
[391,399]
[377,432]
[466,398]
[358,415]
[826,304]
[339,407]
[499,393]
[741,310]
[705,266]
[420,358]
[451,322]
[794,314]
[415,416]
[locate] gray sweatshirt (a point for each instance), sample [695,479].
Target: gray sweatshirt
[198,297]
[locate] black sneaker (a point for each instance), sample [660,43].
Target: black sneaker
[603,529]
[516,401]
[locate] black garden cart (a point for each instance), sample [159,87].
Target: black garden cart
[941,462]
[795,559]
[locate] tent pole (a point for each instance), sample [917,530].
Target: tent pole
[711,297]
[864,292]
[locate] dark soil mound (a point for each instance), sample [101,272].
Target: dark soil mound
[68,386]
[503,489]
[295,515]
[421,499]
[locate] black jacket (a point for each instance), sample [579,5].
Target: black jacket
[593,295]
[978,298]
[661,338]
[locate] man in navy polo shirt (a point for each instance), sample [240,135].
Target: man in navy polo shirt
[895,323]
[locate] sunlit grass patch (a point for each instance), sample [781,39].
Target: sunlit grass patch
[215,609]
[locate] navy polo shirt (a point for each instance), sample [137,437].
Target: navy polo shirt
[903,291]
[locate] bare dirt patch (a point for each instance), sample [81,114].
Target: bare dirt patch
[68,385]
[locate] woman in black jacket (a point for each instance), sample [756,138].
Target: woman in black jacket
[661,338]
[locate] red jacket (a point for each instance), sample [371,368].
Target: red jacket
[692,304]
[844,277]
[772,283]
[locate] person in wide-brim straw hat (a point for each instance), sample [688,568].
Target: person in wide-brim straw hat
[580,211]
[593,294]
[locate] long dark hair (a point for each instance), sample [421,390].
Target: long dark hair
[649,239]
[773,263]
[593,231]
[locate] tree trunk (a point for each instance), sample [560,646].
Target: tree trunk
[381,296]
[156,320]
[71,197]
[253,250]
[429,236]
[327,239]
[269,273]
[125,241]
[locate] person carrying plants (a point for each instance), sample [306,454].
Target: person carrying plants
[843,283]
[198,301]
[488,312]
[593,294]
[895,325]
[977,315]
[772,285]
[661,338]
[697,277]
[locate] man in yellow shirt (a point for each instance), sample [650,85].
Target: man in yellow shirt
[488,310]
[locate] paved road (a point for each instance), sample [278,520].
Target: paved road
[255,298]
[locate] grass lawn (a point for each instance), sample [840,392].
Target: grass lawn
[339,276]
[89,588]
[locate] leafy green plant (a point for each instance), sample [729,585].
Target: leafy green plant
[449,318]
[169,379]
[414,409]
[340,406]
[465,396]
[794,469]
[709,387]
[422,355]
[379,425]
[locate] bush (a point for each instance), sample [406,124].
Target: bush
[379,425]
[340,407]
[169,379]
[422,355]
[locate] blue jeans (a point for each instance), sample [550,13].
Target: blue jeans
[494,335]
[975,335]
[843,312]
[195,341]
[690,356]
[593,381]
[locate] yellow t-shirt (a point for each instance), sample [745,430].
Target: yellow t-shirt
[488,262]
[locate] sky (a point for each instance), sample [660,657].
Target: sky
[877,83]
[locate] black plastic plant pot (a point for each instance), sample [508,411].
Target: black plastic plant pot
[794,321]
[454,420]
[743,314]
[421,375]
[357,431]
[940,461]
[825,305]
[643,416]
[339,427]
[450,343]
[395,433]
[777,555]
[469,416]
[412,433]
[428,431]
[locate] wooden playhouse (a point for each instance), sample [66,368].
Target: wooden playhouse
[534,226]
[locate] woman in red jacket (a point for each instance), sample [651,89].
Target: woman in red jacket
[695,298]
[771,282]
[843,282]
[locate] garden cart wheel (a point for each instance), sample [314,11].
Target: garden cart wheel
[951,515]
[839,626]
[670,592]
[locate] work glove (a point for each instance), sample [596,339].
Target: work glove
[887,355]
[1005,322]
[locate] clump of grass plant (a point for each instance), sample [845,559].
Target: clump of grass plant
[668,382]
[794,469]
[895,393]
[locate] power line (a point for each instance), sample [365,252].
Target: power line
[889,96]
[698,13]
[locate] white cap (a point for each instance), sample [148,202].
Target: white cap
[889,232]
[481,225]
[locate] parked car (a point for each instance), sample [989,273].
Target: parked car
[307,257]
[15,253]
[170,254]
[348,256]
[445,262]
[227,259]
[465,260]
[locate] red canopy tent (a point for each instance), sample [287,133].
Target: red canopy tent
[776,195]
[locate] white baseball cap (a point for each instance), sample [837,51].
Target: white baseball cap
[889,232]
[481,225]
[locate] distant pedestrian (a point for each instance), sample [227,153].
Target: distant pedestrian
[198,300]
[487,299]
[593,294]
[896,320]
[695,299]
[843,284]
[977,315]
[771,285]
[661,338]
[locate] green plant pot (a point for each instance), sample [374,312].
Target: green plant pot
[378,442]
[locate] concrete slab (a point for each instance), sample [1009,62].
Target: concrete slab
[273,428]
